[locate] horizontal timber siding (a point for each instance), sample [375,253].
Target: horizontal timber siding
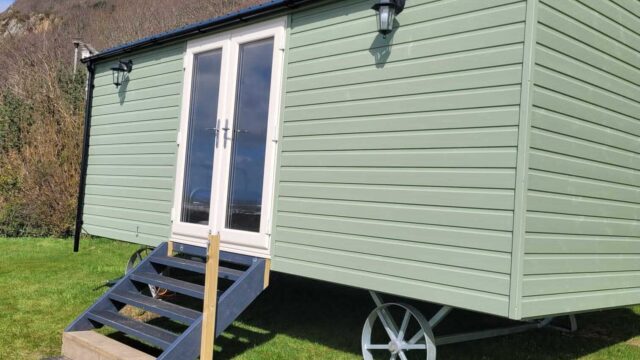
[132,152]
[397,158]
[582,247]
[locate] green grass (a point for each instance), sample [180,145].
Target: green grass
[44,286]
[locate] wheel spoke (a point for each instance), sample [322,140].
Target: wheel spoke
[405,324]
[416,337]
[386,324]
[398,322]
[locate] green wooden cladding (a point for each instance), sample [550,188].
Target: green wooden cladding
[132,153]
[398,155]
[582,245]
[485,156]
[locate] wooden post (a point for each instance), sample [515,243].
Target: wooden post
[170,248]
[267,272]
[210,298]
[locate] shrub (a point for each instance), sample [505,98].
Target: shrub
[14,113]
[41,100]
[41,118]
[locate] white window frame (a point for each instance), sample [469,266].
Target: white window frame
[243,242]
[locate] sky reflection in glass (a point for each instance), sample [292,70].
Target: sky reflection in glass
[249,145]
[201,138]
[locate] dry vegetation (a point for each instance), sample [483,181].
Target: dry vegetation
[41,101]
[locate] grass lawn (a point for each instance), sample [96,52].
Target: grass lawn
[44,286]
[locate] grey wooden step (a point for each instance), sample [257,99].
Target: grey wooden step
[190,249]
[162,308]
[145,332]
[238,259]
[180,263]
[175,285]
[247,276]
[196,266]
[84,345]
[229,273]
[225,256]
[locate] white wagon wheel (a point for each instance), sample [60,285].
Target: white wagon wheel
[383,338]
[135,259]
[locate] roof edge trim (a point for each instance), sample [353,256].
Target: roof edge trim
[232,18]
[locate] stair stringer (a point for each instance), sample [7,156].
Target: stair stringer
[82,322]
[230,303]
[240,295]
[187,346]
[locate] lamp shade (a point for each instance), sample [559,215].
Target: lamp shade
[386,14]
[120,72]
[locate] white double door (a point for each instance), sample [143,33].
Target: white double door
[227,140]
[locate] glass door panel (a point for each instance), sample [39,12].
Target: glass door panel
[250,126]
[201,138]
[226,156]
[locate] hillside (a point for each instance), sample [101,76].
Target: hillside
[41,100]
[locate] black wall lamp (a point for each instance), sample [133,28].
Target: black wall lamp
[121,71]
[387,11]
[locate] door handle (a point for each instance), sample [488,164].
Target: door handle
[217,131]
[226,129]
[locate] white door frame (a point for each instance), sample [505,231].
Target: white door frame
[244,242]
[195,234]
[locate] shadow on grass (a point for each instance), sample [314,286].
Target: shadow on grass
[333,316]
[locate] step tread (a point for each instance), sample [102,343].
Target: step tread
[165,282]
[196,266]
[200,251]
[163,308]
[229,273]
[135,328]
[180,263]
[238,259]
[81,345]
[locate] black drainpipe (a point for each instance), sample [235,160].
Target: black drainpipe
[85,155]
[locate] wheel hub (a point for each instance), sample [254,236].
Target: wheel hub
[395,346]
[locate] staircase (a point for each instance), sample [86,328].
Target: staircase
[181,270]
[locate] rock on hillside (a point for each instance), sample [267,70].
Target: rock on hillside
[13,23]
